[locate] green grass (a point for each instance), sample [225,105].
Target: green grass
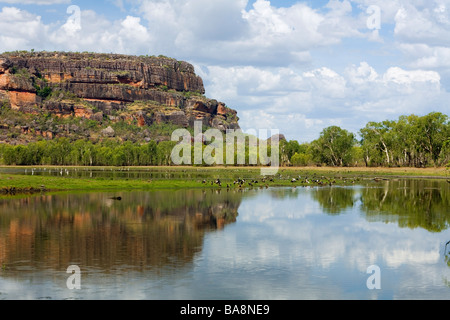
[201,177]
[26,182]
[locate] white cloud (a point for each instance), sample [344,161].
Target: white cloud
[19,29]
[38,2]
[339,22]
[226,32]
[420,29]
[361,74]
[326,82]
[403,77]
[302,103]
[132,34]
[429,25]
[22,30]
[426,57]
[389,8]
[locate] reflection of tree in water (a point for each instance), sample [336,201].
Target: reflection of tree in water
[282,193]
[411,203]
[447,253]
[143,230]
[334,200]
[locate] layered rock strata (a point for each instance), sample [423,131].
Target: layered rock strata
[88,85]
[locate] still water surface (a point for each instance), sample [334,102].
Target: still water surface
[279,243]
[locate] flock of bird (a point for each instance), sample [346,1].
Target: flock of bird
[240,183]
[265,181]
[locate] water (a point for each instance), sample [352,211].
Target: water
[276,243]
[155,173]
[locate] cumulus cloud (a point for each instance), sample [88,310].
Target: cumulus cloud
[19,29]
[420,30]
[429,25]
[83,30]
[227,32]
[302,103]
[38,2]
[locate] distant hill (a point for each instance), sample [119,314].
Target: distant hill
[44,95]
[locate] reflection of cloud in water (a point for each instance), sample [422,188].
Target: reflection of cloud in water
[294,237]
[268,207]
[299,221]
[286,244]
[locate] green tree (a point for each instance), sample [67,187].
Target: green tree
[59,151]
[377,141]
[164,152]
[434,129]
[9,157]
[291,148]
[334,147]
[301,159]
[104,155]
[83,153]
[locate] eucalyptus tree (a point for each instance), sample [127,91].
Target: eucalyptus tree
[434,132]
[334,147]
[411,141]
[378,142]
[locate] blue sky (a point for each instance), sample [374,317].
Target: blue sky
[295,66]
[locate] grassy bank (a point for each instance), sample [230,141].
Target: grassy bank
[45,183]
[194,177]
[374,172]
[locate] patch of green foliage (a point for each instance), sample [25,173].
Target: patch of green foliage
[43,92]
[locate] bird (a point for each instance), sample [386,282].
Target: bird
[116,198]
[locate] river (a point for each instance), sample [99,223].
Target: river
[373,240]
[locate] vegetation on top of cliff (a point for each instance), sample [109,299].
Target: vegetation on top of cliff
[89,56]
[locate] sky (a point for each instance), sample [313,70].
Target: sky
[293,66]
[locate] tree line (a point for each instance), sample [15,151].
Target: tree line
[64,152]
[410,141]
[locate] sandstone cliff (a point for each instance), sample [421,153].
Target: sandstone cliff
[108,88]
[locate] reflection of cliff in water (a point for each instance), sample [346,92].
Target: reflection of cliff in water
[410,203]
[143,230]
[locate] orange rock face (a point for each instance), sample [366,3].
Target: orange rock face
[18,99]
[109,83]
[221,109]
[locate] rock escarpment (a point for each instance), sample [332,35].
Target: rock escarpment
[140,90]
